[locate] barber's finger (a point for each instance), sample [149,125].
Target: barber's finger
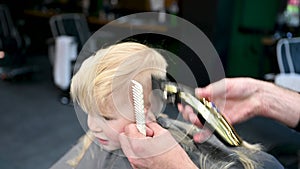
[180,107]
[144,147]
[188,114]
[135,147]
[156,128]
[126,145]
[184,110]
[202,136]
[193,118]
[131,131]
[216,90]
[204,92]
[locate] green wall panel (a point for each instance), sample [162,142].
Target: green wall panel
[246,57]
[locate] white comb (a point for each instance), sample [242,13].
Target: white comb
[138,103]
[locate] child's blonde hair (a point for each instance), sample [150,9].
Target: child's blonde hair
[110,70]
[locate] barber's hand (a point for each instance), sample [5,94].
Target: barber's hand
[157,150]
[238,99]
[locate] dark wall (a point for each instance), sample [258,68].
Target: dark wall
[214,19]
[201,13]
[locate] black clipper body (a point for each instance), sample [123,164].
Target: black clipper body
[206,111]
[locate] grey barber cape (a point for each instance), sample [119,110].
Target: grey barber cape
[96,158]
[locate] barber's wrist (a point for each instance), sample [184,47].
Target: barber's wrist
[269,96]
[278,104]
[261,97]
[188,164]
[186,161]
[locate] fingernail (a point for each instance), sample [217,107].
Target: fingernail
[179,107]
[196,139]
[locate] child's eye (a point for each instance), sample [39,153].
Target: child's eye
[108,118]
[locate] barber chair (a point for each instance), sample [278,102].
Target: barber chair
[288,57]
[14,45]
[70,32]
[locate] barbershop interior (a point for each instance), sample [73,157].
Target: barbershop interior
[41,41]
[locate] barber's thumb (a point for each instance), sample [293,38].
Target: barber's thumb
[131,130]
[126,145]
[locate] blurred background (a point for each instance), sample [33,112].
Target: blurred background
[38,123]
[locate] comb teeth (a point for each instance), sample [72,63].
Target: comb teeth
[138,103]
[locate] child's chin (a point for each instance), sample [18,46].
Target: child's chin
[110,148]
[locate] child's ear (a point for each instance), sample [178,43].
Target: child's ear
[150,117]
[156,104]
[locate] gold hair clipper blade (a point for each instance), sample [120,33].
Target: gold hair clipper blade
[138,104]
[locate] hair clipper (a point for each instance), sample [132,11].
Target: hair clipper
[206,111]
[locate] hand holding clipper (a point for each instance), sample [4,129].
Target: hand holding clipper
[206,111]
